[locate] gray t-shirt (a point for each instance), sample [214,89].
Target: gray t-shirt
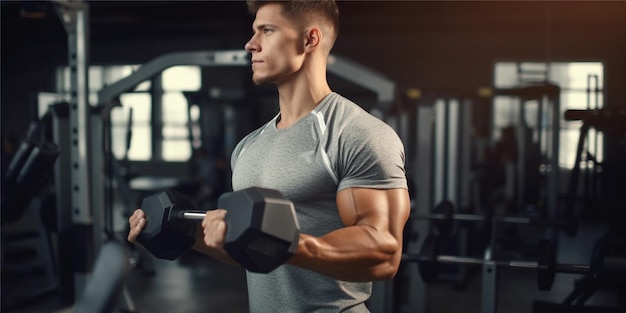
[338,145]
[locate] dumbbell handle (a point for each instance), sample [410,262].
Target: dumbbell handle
[191,215]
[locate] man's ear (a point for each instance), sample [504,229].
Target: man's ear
[313,39]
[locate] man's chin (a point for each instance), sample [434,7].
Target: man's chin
[261,80]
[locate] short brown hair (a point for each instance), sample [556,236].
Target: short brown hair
[304,11]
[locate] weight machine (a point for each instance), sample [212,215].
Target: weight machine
[609,255]
[447,180]
[27,255]
[537,149]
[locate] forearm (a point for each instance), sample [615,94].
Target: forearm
[354,253]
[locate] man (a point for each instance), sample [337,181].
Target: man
[342,168]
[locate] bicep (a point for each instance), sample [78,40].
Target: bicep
[385,210]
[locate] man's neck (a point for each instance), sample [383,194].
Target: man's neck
[299,97]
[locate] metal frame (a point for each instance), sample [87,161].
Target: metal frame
[337,65]
[489,293]
[442,172]
[75,19]
[157,65]
[422,203]
[86,146]
[364,77]
[62,183]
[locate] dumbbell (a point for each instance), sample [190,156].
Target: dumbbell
[262,230]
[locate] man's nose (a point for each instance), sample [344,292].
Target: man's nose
[251,45]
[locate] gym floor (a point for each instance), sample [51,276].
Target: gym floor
[195,283]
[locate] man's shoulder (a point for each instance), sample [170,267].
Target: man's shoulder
[348,123]
[339,109]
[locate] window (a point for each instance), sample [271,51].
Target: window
[581,87]
[138,107]
[177,144]
[156,110]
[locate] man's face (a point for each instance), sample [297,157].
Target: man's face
[276,46]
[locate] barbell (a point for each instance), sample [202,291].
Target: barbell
[429,261]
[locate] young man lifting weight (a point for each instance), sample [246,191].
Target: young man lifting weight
[341,167]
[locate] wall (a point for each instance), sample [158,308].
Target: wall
[437,46]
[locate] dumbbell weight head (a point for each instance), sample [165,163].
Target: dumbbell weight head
[165,235]
[428,266]
[262,228]
[444,226]
[546,262]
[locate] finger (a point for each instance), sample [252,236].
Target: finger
[136,226]
[220,232]
[211,216]
[214,232]
[138,213]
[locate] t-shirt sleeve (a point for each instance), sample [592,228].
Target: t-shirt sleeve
[240,147]
[371,157]
[235,154]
